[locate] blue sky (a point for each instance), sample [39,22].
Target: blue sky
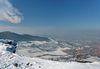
[57,15]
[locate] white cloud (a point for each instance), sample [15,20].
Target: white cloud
[9,13]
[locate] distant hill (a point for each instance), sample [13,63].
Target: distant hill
[21,37]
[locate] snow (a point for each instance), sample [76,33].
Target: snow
[10,60]
[29,43]
[37,43]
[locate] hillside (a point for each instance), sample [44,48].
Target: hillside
[21,37]
[9,60]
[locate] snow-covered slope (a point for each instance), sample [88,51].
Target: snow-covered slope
[9,60]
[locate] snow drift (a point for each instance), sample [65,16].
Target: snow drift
[9,60]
